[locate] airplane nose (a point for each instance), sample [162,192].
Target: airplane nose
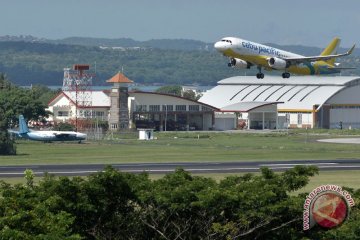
[220,46]
[82,135]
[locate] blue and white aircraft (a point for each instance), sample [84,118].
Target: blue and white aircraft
[47,136]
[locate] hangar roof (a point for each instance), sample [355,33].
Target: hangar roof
[245,106]
[296,93]
[163,98]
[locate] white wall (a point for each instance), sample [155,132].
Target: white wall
[225,121]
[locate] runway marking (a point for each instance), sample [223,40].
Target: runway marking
[296,164]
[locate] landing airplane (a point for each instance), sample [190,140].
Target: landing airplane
[47,136]
[245,54]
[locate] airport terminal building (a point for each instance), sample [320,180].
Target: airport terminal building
[241,102]
[124,109]
[302,101]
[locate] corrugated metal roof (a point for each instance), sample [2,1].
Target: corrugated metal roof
[298,92]
[245,106]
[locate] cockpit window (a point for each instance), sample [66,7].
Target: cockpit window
[225,40]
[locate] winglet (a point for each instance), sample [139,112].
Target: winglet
[22,125]
[351,50]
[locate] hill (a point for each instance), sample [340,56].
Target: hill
[28,60]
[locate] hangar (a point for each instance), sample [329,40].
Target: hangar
[302,101]
[165,112]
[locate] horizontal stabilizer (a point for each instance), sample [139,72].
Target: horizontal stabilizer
[341,68]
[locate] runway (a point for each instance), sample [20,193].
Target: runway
[194,167]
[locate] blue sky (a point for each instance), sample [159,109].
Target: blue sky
[306,22]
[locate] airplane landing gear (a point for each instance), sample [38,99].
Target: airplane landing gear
[285,75]
[260,75]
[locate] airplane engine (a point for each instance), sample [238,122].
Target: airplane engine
[278,63]
[238,63]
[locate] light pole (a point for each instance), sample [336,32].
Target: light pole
[165,116]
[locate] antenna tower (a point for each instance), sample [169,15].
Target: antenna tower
[77,83]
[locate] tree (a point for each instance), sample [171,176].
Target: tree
[190,94]
[25,215]
[7,146]
[174,90]
[15,101]
[115,205]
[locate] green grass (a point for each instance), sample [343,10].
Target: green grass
[342,178]
[176,147]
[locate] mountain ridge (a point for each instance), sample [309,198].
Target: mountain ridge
[28,60]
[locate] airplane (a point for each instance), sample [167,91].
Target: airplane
[245,54]
[47,136]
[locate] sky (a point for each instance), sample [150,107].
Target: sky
[284,22]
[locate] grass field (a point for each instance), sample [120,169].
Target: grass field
[341,178]
[192,146]
[176,147]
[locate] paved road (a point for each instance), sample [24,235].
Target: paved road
[194,167]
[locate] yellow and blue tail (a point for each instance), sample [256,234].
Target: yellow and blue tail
[331,49]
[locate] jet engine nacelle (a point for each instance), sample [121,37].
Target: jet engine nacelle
[278,63]
[238,63]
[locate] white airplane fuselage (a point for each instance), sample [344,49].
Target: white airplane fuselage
[49,136]
[245,54]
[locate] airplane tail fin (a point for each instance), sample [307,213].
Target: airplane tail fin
[331,49]
[22,125]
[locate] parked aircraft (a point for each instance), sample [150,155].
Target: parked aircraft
[245,54]
[47,136]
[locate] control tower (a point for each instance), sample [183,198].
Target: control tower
[119,110]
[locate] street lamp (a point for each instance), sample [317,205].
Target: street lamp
[165,116]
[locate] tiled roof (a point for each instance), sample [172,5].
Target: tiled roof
[119,78]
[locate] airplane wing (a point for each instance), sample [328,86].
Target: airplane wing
[13,131]
[318,58]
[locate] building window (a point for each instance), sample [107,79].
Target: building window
[168,108]
[194,108]
[180,108]
[87,113]
[141,108]
[63,113]
[113,126]
[154,108]
[287,117]
[299,118]
[99,114]
[206,109]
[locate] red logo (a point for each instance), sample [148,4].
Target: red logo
[327,206]
[329,210]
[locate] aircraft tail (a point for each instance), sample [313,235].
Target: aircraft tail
[23,128]
[331,49]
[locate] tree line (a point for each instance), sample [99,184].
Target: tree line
[29,63]
[14,101]
[117,205]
